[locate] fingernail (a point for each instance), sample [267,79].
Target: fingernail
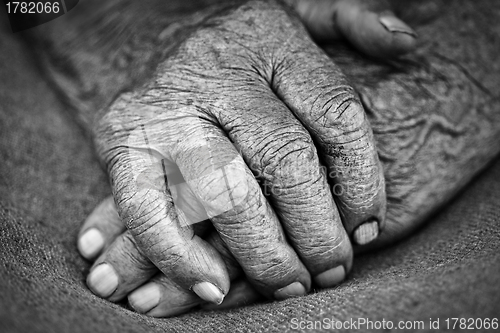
[103,280]
[366,232]
[145,298]
[208,292]
[331,277]
[292,290]
[393,24]
[90,243]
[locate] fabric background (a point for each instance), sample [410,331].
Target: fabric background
[50,180]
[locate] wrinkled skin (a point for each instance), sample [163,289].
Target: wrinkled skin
[212,92]
[248,76]
[414,191]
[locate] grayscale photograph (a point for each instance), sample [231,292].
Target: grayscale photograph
[249,166]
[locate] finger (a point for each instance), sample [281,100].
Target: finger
[417,12]
[374,29]
[160,229]
[241,293]
[104,224]
[282,154]
[318,94]
[120,269]
[369,25]
[239,211]
[100,229]
[161,297]
[123,267]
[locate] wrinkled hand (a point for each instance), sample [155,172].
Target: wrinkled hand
[240,103]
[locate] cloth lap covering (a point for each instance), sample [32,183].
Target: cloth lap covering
[50,180]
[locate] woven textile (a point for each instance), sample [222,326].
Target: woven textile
[50,180]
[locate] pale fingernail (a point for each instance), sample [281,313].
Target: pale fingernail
[292,290]
[366,232]
[208,292]
[90,243]
[103,280]
[393,24]
[145,298]
[331,277]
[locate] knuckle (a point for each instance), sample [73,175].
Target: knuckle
[344,111]
[287,157]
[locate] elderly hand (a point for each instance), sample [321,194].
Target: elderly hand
[235,126]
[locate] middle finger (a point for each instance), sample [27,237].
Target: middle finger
[281,153]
